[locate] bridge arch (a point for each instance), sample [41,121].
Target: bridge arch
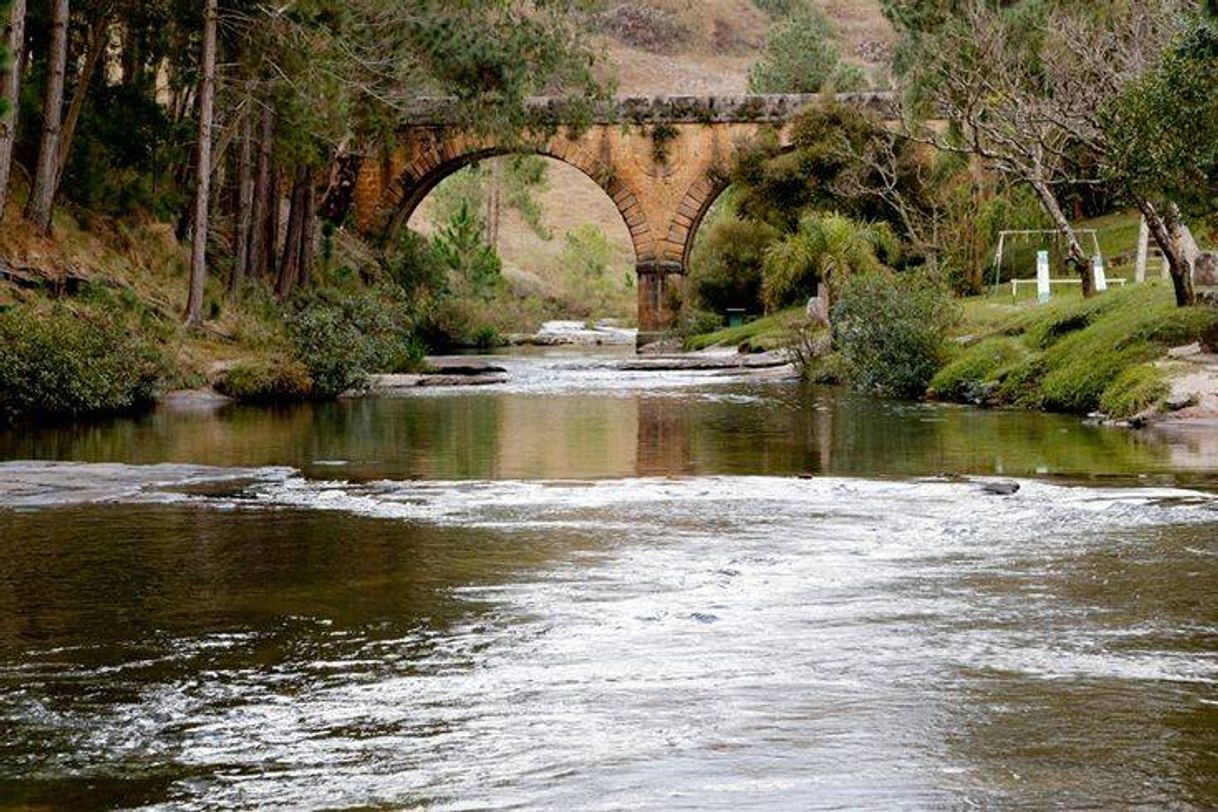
[414,181]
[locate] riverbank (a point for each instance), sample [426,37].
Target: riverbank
[1129,355]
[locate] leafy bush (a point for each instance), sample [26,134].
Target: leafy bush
[60,361]
[694,322]
[726,265]
[891,331]
[342,338]
[266,381]
[414,264]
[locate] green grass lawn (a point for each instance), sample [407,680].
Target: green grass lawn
[1073,355]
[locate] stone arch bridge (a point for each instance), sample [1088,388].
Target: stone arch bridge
[663,161]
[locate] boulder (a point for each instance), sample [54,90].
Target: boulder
[1187,351]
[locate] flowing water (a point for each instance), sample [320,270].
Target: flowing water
[596,589]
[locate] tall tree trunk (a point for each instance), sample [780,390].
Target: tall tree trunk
[42,198]
[98,40]
[131,61]
[1166,233]
[493,196]
[10,91]
[1076,257]
[289,270]
[340,192]
[256,266]
[245,205]
[308,231]
[198,253]
[273,217]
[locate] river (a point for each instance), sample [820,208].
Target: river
[589,589]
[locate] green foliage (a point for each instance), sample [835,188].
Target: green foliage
[414,264]
[891,331]
[265,381]
[123,155]
[473,266]
[68,362]
[526,176]
[798,58]
[777,186]
[827,248]
[1163,127]
[342,338]
[726,264]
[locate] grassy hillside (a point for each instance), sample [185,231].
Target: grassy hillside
[717,40]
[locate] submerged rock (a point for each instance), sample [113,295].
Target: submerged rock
[1000,488]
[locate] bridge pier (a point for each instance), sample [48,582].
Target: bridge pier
[660,285]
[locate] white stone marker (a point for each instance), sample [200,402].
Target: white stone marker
[1042,276]
[1097,273]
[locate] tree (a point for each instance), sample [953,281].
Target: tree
[1092,63]
[207,90]
[826,249]
[1163,125]
[11,55]
[46,171]
[799,59]
[983,70]
[462,249]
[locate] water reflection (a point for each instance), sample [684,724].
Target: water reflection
[606,598]
[737,429]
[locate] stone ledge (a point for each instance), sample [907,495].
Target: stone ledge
[439,111]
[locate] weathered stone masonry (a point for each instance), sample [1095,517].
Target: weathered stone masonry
[662,161]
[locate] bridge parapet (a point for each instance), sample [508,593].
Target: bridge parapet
[760,108]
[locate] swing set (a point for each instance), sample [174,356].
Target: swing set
[1015,236]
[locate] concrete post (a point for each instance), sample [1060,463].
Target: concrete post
[1143,251]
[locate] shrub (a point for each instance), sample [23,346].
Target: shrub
[61,361]
[726,270]
[694,322]
[891,331]
[1134,390]
[266,381]
[342,338]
